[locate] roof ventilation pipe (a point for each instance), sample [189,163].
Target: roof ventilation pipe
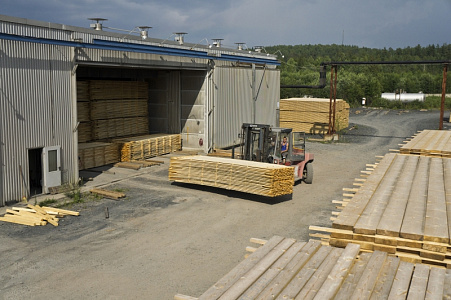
[322,81]
[217,42]
[179,37]
[97,25]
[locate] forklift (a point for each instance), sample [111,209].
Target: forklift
[263,143]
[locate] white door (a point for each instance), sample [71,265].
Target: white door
[51,163]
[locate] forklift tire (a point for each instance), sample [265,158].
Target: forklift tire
[308,173]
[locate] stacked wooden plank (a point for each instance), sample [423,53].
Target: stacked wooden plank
[286,269]
[148,146]
[403,207]
[245,176]
[97,154]
[109,109]
[34,215]
[429,142]
[311,115]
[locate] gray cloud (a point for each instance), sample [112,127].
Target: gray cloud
[373,24]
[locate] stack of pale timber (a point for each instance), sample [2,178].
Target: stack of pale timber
[311,115]
[110,109]
[34,215]
[286,269]
[429,142]
[147,146]
[120,127]
[97,154]
[402,207]
[245,176]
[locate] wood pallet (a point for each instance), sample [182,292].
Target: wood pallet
[34,215]
[286,269]
[429,143]
[245,176]
[402,206]
[148,146]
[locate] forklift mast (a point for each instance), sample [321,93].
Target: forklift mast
[254,139]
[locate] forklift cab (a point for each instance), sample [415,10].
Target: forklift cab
[295,150]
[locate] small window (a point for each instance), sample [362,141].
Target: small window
[53,160]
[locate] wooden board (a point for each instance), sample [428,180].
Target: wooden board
[286,269]
[244,176]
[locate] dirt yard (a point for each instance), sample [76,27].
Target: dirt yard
[166,238]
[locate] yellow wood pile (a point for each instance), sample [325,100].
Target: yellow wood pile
[286,269]
[233,174]
[147,146]
[403,207]
[429,142]
[108,194]
[34,215]
[311,115]
[97,154]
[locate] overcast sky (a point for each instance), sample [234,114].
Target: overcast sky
[364,23]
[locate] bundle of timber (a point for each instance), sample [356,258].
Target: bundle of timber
[110,109]
[147,146]
[120,127]
[311,115]
[35,215]
[117,90]
[82,91]
[245,176]
[84,132]
[286,269]
[403,207]
[429,142]
[97,154]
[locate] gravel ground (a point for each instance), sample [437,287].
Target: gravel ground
[167,238]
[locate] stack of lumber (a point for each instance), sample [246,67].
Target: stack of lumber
[402,207]
[245,176]
[311,115]
[286,269]
[35,215]
[109,109]
[121,127]
[147,146]
[97,154]
[429,142]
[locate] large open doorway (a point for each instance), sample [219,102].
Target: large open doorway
[34,172]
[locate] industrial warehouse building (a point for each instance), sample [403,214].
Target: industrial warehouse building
[62,85]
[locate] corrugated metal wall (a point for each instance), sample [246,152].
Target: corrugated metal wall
[36,111]
[234,101]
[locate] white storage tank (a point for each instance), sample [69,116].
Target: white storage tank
[404,97]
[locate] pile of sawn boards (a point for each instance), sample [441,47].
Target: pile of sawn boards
[232,174]
[403,207]
[97,154]
[34,215]
[110,109]
[311,115]
[148,146]
[430,143]
[285,269]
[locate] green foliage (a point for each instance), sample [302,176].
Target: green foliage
[47,202]
[301,64]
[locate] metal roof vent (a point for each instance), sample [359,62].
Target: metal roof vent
[143,30]
[179,37]
[239,46]
[217,42]
[97,25]
[258,49]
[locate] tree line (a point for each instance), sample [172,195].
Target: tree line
[300,65]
